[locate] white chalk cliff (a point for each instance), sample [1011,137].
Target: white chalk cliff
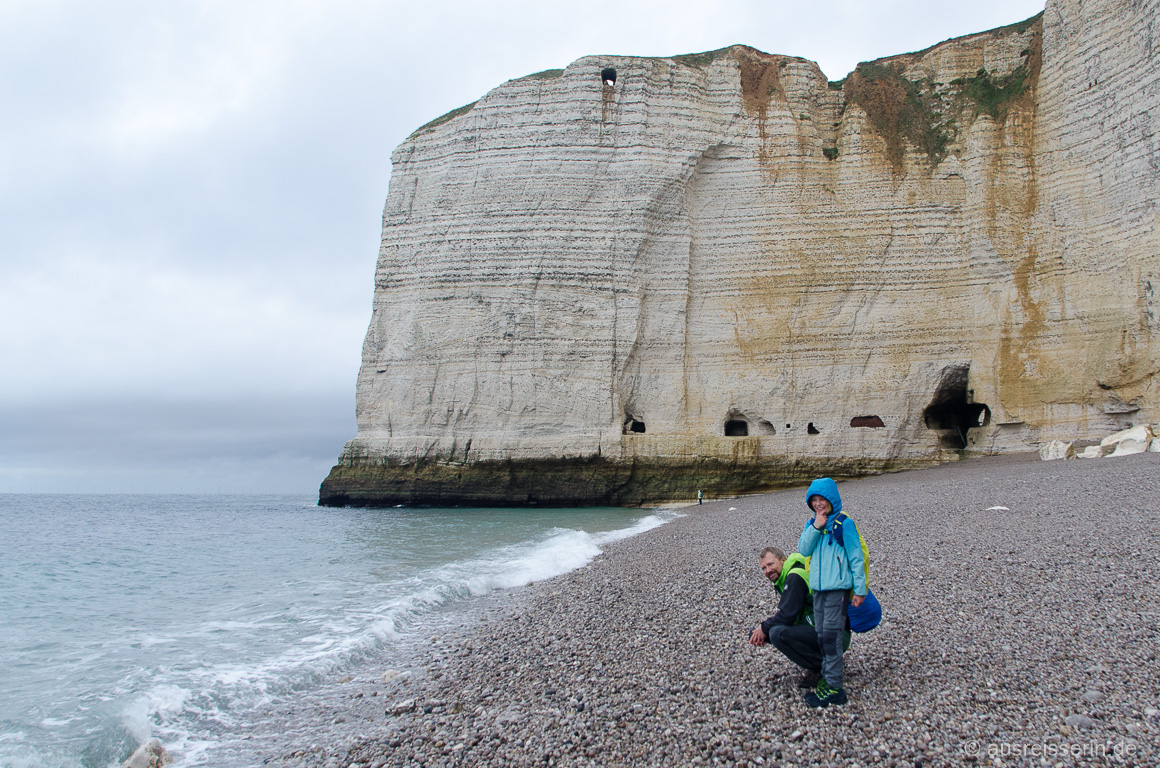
[633,278]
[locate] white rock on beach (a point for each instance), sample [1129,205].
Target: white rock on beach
[149,755]
[1057,449]
[1142,433]
[1129,441]
[1093,452]
[1126,447]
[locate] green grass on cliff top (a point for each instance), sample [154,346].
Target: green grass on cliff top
[990,94]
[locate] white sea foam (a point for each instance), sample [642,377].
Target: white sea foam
[340,640]
[17,755]
[50,722]
[344,638]
[161,702]
[642,525]
[563,551]
[248,637]
[149,642]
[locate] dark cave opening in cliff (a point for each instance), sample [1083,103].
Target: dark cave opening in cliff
[812,430]
[736,428]
[634,425]
[608,76]
[950,410]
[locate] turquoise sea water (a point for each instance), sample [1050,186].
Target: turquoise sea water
[191,618]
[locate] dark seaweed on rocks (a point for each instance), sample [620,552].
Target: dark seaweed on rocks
[570,482]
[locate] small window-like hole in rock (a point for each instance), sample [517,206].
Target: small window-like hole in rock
[608,76]
[866,421]
[736,428]
[634,425]
[811,429]
[787,426]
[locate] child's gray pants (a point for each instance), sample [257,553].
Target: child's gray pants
[830,622]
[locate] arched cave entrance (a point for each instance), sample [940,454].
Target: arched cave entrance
[950,410]
[633,424]
[608,76]
[736,428]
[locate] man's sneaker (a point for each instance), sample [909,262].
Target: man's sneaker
[809,680]
[824,695]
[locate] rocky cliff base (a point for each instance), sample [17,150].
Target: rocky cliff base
[580,482]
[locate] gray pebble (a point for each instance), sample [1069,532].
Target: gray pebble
[1079,721]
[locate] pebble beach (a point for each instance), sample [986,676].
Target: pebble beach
[1020,627]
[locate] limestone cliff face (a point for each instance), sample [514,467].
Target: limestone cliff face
[633,278]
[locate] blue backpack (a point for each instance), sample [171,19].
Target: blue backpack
[868,615]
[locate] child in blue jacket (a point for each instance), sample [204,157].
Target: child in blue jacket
[835,569]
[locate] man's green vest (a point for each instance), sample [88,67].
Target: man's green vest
[797,563]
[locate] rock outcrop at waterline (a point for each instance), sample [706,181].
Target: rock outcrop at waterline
[633,278]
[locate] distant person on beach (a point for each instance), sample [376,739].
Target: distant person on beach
[791,629]
[700,497]
[835,569]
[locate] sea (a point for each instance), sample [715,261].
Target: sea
[208,621]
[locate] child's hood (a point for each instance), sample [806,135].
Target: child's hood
[828,490]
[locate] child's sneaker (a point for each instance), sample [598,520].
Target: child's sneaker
[824,695]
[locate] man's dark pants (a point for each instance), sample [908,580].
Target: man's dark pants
[799,643]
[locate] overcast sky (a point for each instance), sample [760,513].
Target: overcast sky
[191,194]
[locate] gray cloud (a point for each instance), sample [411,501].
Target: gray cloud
[276,444]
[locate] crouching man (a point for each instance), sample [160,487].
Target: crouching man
[791,629]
